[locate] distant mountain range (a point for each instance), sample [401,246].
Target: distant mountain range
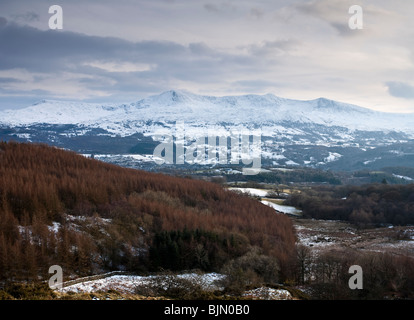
[317,133]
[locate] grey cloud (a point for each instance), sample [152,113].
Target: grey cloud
[26,17]
[344,30]
[256,85]
[96,82]
[50,54]
[334,12]
[3,22]
[222,7]
[211,7]
[200,49]
[43,51]
[273,48]
[256,12]
[9,80]
[400,90]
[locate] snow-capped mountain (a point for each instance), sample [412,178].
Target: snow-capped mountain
[171,106]
[318,132]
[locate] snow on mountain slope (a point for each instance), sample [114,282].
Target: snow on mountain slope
[59,112]
[196,110]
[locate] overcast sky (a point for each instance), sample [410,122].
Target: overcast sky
[124,50]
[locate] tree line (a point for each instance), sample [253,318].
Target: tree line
[326,275]
[373,204]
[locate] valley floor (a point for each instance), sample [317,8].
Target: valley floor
[320,235]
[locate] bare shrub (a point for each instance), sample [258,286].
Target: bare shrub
[250,270]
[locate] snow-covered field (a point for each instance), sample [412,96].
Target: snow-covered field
[129,283]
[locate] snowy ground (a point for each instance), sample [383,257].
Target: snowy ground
[265,293]
[129,283]
[322,235]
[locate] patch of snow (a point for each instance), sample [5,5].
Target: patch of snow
[370,161]
[333,156]
[282,169]
[23,135]
[252,191]
[265,293]
[278,157]
[403,177]
[291,163]
[54,227]
[282,208]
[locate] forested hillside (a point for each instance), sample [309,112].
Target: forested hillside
[60,208]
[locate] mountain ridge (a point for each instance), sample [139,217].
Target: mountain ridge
[174,105]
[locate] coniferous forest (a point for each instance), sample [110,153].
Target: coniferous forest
[60,208]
